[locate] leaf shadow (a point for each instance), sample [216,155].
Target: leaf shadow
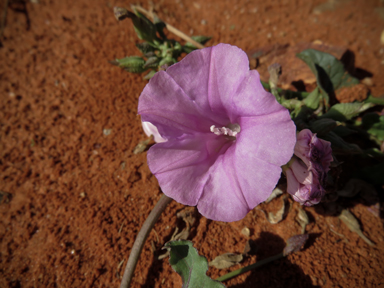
[280,273]
[349,59]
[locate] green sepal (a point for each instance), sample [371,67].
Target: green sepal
[192,268]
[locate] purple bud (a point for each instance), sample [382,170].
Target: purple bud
[302,184]
[315,153]
[307,171]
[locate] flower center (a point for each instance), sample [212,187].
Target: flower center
[231,130]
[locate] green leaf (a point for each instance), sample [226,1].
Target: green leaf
[374,124]
[149,75]
[344,131]
[134,64]
[152,62]
[144,28]
[340,146]
[313,99]
[192,268]
[199,39]
[330,73]
[167,61]
[323,126]
[145,47]
[375,100]
[189,47]
[346,111]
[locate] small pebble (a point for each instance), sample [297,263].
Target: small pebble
[382,38]
[367,81]
[246,232]
[106,132]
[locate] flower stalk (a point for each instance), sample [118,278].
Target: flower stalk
[140,239]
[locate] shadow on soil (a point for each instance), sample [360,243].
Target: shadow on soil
[280,273]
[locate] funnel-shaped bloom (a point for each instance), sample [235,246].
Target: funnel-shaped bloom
[226,137]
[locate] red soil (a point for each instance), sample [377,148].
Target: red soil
[78,197]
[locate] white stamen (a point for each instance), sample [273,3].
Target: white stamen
[225,130]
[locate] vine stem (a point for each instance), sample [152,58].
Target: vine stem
[140,239]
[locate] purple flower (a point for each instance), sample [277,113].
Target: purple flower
[302,184]
[306,175]
[226,136]
[314,152]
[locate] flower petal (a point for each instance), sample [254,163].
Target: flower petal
[181,165]
[222,198]
[301,172]
[293,185]
[270,137]
[165,105]
[212,89]
[250,99]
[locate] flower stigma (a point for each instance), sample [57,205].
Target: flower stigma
[231,130]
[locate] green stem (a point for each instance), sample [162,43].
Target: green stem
[140,239]
[250,267]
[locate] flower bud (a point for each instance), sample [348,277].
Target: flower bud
[307,170]
[303,184]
